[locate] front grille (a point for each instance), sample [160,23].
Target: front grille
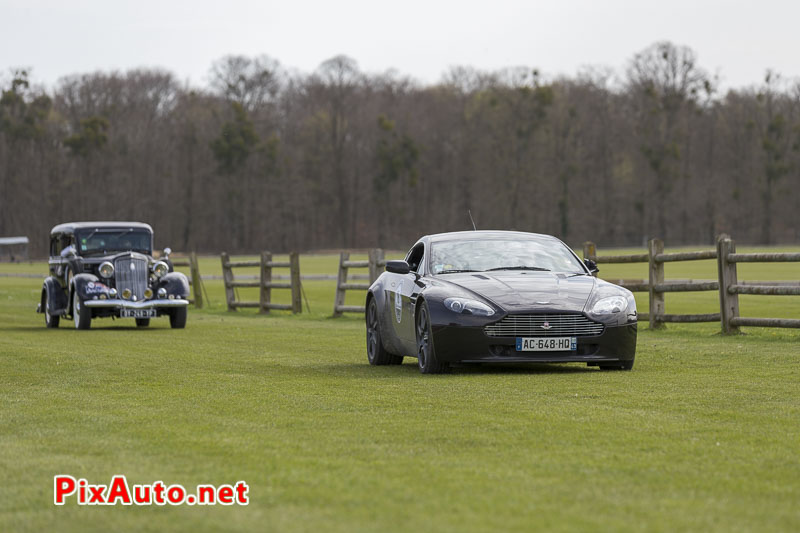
[572,325]
[134,278]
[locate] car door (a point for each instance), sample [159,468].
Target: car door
[400,296]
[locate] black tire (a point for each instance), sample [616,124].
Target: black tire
[81,315]
[142,322]
[376,353]
[426,353]
[625,365]
[177,318]
[51,321]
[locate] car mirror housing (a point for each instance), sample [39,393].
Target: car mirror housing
[397,267]
[591,265]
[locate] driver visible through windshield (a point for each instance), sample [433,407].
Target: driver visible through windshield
[113,240]
[501,254]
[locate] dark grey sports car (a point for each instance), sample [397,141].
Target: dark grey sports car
[497,297]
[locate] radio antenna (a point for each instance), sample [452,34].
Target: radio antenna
[469,212]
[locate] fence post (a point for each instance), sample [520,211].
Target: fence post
[227,276]
[376,256]
[197,288]
[655,247]
[294,271]
[728,303]
[340,283]
[265,287]
[590,252]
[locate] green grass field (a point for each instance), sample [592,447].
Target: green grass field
[703,434]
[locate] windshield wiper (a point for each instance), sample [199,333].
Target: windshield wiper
[457,270]
[519,268]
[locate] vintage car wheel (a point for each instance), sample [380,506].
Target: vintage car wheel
[177,318]
[426,353]
[81,314]
[376,353]
[51,321]
[142,322]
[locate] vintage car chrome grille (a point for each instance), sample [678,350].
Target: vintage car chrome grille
[131,273]
[560,325]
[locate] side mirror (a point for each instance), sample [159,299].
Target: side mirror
[397,267]
[167,251]
[591,265]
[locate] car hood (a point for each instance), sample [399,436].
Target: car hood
[517,291]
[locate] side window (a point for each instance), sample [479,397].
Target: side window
[54,251]
[65,240]
[414,257]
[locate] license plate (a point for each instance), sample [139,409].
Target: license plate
[137,313]
[547,344]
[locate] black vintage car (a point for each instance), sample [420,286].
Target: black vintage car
[497,297]
[107,269]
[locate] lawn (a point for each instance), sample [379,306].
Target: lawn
[703,434]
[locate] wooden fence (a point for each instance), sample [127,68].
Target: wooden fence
[727,283]
[264,283]
[374,263]
[194,278]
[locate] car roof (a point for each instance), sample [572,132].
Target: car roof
[70,227]
[487,235]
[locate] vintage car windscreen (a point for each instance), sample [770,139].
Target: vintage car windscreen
[104,241]
[500,254]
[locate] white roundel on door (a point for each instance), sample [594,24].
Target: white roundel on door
[398,303]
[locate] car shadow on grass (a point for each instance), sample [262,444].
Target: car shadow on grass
[410,369]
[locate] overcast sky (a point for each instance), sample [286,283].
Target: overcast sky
[738,40]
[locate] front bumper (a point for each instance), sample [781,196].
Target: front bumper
[144,304]
[469,344]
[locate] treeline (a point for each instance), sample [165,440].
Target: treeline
[267,159]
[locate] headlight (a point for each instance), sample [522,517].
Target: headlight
[106,269]
[612,304]
[468,307]
[160,269]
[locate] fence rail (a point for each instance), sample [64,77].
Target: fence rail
[264,284]
[727,285]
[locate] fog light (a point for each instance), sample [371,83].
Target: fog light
[103,296]
[113,293]
[126,293]
[148,293]
[171,296]
[162,292]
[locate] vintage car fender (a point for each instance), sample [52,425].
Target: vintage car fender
[55,293]
[176,283]
[87,286]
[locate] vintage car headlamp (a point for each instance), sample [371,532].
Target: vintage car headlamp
[609,305]
[162,292]
[160,269]
[126,293]
[468,307]
[106,269]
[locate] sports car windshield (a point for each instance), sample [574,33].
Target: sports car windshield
[495,255]
[103,241]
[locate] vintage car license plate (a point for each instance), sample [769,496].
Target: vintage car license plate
[547,344]
[137,313]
